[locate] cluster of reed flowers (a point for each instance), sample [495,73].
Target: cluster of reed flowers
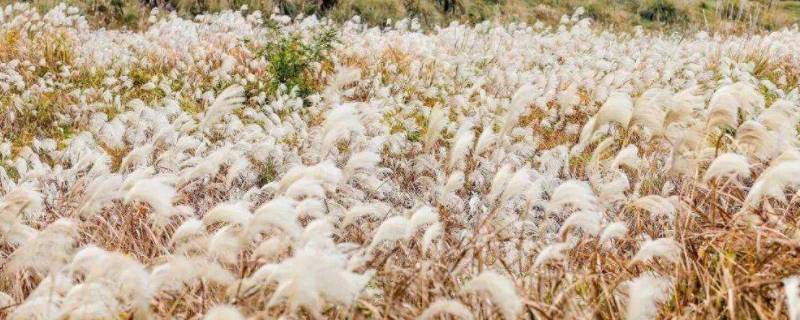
[488,171]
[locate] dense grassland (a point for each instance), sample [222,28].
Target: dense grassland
[252,165]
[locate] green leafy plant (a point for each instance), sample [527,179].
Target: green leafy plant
[661,11]
[291,61]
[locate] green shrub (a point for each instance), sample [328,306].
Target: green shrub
[291,60]
[661,11]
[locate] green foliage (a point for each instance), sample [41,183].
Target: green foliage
[661,11]
[414,136]
[38,118]
[9,169]
[791,7]
[291,60]
[268,173]
[597,11]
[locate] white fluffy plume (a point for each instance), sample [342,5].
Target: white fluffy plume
[501,291]
[791,287]
[340,124]
[589,222]
[656,205]
[312,275]
[446,306]
[613,231]
[645,293]
[392,229]
[773,181]
[574,194]
[617,109]
[223,312]
[665,248]
[522,98]
[156,192]
[437,120]
[551,252]
[727,165]
[228,100]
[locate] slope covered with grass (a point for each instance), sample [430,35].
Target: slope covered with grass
[249,166]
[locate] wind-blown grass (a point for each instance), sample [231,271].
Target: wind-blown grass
[481,171]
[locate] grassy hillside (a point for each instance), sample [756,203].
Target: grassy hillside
[657,14]
[236,167]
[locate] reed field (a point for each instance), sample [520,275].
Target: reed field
[247,164]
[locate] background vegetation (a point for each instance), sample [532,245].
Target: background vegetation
[726,15]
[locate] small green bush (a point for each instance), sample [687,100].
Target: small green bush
[290,61]
[661,11]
